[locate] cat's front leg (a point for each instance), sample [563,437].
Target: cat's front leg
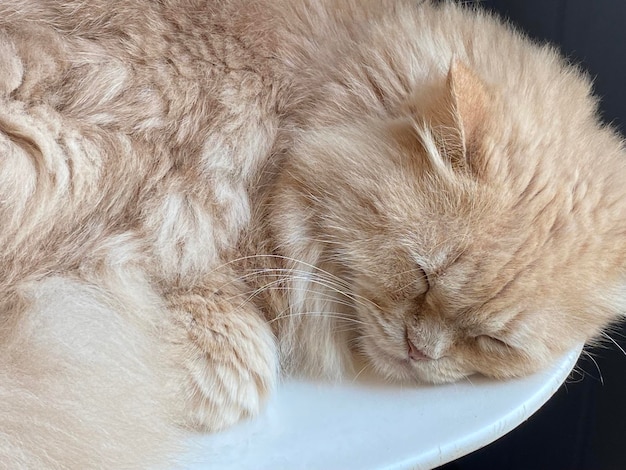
[228,353]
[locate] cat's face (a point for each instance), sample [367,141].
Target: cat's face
[471,304]
[465,252]
[455,286]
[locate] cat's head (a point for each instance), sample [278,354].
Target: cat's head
[480,230]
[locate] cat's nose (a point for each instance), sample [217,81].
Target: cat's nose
[416,354]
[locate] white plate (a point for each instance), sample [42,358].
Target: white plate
[376,426]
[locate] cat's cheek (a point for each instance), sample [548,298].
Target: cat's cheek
[503,363]
[385,364]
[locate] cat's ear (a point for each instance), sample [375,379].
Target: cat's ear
[467,99]
[454,112]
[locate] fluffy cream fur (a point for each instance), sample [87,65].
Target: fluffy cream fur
[195,195]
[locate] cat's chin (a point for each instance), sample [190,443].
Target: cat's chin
[405,370]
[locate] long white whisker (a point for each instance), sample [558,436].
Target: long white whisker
[319,314]
[358,299]
[607,336]
[366,366]
[276,284]
[590,356]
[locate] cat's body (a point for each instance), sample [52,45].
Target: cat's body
[416,183]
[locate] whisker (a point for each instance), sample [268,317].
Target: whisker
[277,257]
[590,356]
[358,299]
[311,266]
[349,329]
[319,314]
[366,366]
[315,269]
[607,336]
[470,381]
[275,285]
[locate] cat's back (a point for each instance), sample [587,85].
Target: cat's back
[130,117]
[135,66]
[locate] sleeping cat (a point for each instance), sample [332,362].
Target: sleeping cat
[197,197]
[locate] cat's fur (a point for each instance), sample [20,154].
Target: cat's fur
[195,194]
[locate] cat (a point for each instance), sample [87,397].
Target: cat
[197,197]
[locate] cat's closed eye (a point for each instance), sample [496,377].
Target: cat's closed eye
[425,278]
[493,343]
[422,281]
[402,279]
[416,286]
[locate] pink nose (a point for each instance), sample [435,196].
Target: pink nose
[416,354]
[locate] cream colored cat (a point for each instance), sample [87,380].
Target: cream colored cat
[196,196]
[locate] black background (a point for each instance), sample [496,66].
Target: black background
[583,427]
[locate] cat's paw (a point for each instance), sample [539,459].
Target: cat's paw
[230,362]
